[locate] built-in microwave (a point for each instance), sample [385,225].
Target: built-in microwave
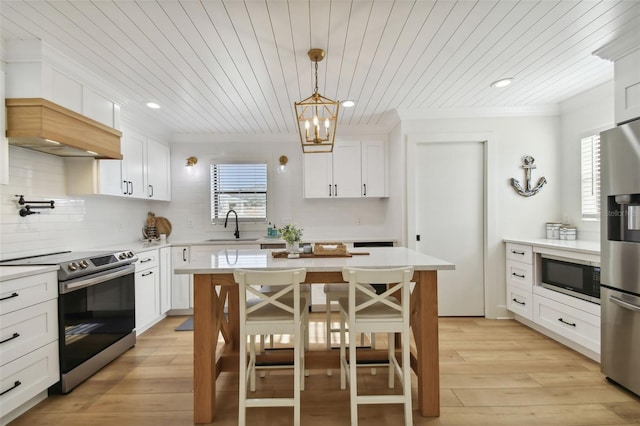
[573,277]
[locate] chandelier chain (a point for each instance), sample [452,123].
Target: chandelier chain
[316,88]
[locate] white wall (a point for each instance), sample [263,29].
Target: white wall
[320,218]
[76,223]
[583,115]
[508,214]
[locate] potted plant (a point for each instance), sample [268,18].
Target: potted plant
[292,237]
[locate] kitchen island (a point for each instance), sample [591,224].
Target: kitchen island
[214,287]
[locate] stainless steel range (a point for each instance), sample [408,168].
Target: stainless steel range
[96,310]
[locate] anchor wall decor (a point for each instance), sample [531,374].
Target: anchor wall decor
[527,165]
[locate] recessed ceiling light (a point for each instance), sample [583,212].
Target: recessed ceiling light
[348,103]
[153,105]
[502,82]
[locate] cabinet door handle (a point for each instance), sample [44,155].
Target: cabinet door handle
[335,188]
[15,385]
[131,192]
[184,255]
[10,297]
[125,189]
[15,336]
[365,189]
[151,188]
[518,302]
[517,275]
[572,324]
[517,252]
[148,259]
[329,190]
[147,273]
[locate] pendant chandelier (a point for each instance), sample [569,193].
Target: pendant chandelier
[317,116]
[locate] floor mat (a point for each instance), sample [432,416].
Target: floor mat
[186,326]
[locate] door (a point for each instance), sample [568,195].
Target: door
[158,166]
[450,220]
[318,175]
[347,169]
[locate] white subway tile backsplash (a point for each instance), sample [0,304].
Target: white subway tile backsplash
[76,223]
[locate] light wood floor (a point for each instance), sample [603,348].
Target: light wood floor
[493,372]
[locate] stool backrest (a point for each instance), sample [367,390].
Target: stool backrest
[283,284]
[362,296]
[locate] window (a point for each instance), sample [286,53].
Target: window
[590,160]
[241,187]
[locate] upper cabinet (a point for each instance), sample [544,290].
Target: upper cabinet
[627,87]
[624,51]
[355,169]
[143,172]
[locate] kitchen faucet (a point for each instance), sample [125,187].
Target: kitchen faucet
[237,233]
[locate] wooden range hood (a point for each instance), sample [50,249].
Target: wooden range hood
[41,125]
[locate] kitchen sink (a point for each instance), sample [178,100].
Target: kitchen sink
[230,240]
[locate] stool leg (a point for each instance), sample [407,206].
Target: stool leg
[353,378]
[327,306]
[343,354]
[391,349]
[252,361]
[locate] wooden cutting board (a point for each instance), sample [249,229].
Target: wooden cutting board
[163,226]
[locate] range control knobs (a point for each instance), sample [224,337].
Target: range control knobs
[130,254]
[122,256]
[84,264]
[73,266]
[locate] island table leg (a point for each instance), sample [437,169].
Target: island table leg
[205,321]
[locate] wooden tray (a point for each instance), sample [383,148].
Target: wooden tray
[330,249]
[283,254]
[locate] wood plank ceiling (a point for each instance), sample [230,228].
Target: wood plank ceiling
[233,66]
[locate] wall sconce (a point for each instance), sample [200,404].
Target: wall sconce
[282,167]
[191,161]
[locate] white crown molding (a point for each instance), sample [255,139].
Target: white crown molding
[514,111]
[620,46]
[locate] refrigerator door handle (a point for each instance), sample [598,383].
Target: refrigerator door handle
[624,304]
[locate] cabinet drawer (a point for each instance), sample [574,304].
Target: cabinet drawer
[27,329]
[27,376]
[574,324]
[520,302]
[27,291]
[520,275]
[147,259]
[520,253]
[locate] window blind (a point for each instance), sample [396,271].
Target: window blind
[241,187]
[590,170]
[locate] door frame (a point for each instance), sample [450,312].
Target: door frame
[492,299]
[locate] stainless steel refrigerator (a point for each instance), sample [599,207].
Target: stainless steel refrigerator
[620,254]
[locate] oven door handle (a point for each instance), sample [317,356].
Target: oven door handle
[624,304]
[69,287]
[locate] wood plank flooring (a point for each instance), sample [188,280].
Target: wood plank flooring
[493,372]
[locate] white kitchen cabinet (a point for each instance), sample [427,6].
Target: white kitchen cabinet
[354,169]
[158,164]
[627,87]
[181,284]
[165,280]
[29,361]
[144,171]
[519,280]
[572,321]
[148,294]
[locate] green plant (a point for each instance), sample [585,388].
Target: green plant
[290,233]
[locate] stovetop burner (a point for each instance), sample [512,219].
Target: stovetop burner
[75,264]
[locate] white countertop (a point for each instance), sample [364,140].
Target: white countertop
[578,246]
[226,260]
[12,272]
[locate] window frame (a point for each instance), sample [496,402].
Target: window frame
[218,218]
[592,176]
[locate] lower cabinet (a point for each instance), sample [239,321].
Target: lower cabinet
[29,361]
[165,280]
[181,284]
[572,321]
[147,290]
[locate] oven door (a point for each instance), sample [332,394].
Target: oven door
[95,312]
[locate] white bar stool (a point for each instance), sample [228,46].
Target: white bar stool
[279,312]
[364,311]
